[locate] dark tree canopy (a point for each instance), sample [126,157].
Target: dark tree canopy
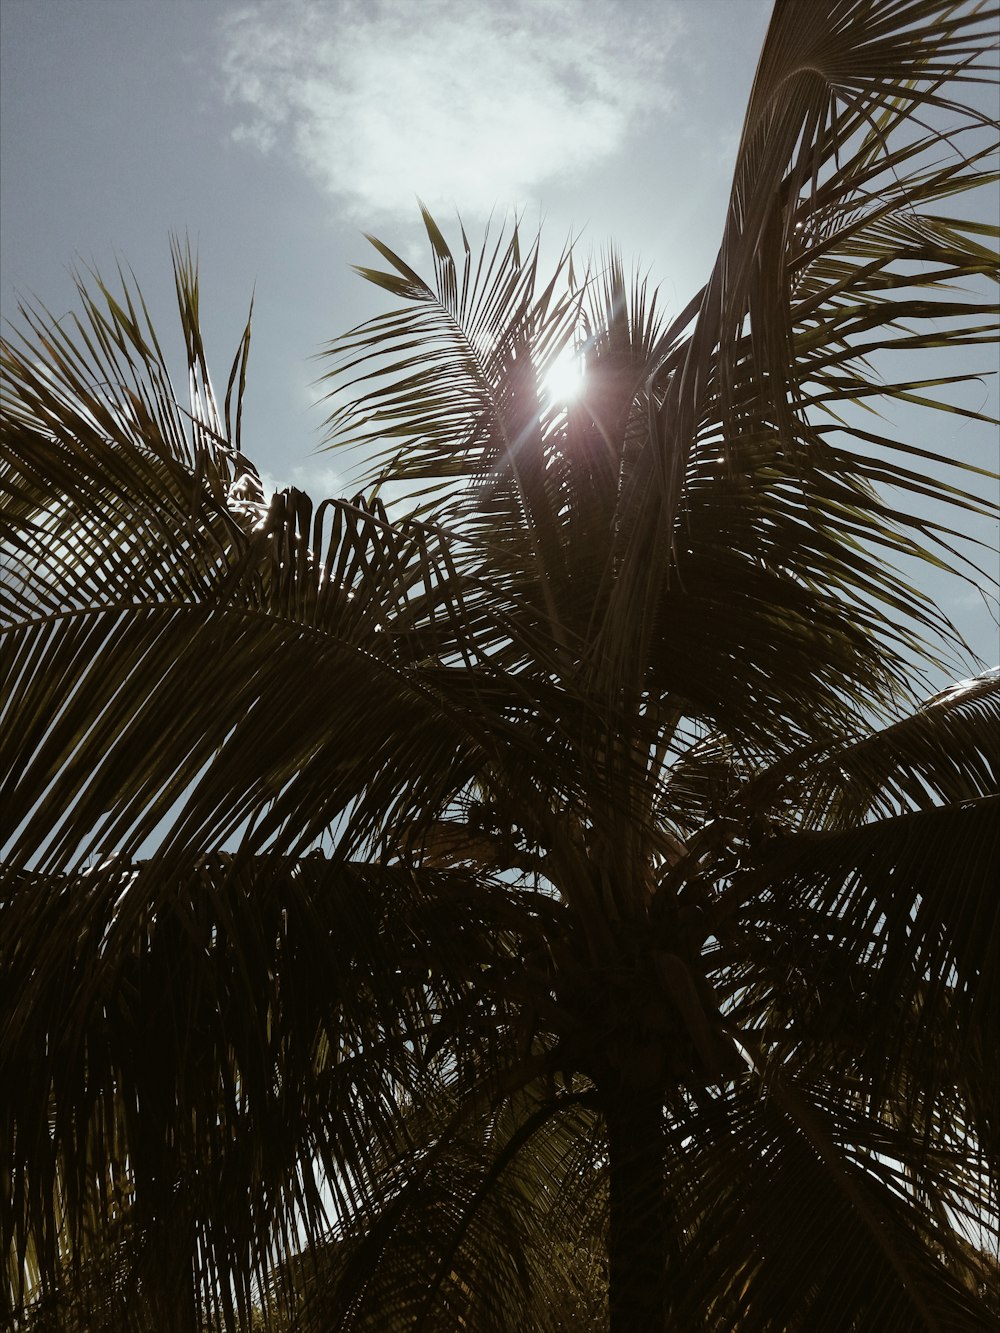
[547,902]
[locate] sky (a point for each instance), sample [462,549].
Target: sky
[276,133]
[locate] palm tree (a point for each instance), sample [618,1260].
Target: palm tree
[550,909]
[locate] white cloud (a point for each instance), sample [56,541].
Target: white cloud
[466,104]
[318,478]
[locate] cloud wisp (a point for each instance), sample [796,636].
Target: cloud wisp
[467,105]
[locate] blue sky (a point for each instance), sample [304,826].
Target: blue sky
[274,134]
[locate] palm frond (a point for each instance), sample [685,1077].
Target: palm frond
[154,633]
[843,1237]
[215,1078]
[876,945]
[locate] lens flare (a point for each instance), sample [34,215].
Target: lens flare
[563,382]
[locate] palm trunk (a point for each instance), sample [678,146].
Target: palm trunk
[637,1241]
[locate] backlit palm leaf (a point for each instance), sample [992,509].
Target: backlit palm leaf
[649,939]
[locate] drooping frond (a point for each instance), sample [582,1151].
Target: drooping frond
[795,1209]
[199,1085]
[163,643]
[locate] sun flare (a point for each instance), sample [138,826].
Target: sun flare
[563,382]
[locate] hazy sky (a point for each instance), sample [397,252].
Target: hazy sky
[275,133]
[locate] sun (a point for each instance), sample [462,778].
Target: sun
[563,382]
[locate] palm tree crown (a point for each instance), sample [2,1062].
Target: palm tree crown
[552,908]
